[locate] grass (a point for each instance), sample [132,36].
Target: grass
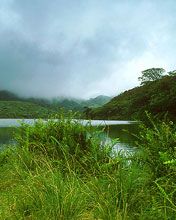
[60,170]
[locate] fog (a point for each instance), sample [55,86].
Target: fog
[83,48]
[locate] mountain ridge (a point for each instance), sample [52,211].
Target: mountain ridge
[12,105]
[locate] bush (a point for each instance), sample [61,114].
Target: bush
[64,140]
[158,143]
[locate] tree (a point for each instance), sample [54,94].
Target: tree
[172,73]
[152,74]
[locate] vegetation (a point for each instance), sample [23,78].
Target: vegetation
[19,109]
[79,105]
[151,75]
[97,101]
[60,170]
[13,106]
[157,97]
[67,104]
[8,96]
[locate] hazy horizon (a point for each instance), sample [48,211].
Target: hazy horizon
[82,48]
[72,98]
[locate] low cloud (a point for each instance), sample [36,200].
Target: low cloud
[83,48]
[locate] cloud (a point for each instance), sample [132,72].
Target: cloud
[83,48]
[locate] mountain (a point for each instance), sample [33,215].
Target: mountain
[67,104]
[79,104]
[96,102]
[157,97]
[14,106]
[8,96]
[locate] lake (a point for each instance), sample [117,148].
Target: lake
[123,130]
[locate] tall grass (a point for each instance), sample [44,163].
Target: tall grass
[60,170]
[158,152]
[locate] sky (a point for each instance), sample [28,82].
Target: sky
[83,48]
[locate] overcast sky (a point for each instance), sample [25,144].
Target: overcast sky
[83,48]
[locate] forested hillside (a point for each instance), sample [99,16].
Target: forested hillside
[19,109]
[157,96]
[13,106]
[97,101]
[8,96]
[79,104]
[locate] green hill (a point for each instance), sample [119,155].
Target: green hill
[96,102]
[13,106]
[78,104]
[157,97]
[67,104]
[8,96]
[19,109]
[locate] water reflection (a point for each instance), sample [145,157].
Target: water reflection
[122,130]
[6,136]
[126,133]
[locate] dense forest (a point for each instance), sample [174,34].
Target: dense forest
[156,96]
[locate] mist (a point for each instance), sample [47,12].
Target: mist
[83,48]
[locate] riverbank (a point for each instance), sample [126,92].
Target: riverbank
[59,170]
[123,130]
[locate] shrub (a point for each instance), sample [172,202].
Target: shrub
[158,143]
[64,140]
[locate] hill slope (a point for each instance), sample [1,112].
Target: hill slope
[8,96]
[97,101]
[18,109]
[157,97]
[79,105]
[13,106]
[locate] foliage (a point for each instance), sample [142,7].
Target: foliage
[152,74]
[157,97]
[67,104]
[63,139]
[19,109]
[172,73]
[60,170]
[96,102]
[80,105]
[158,142]
[158,152]
[8,96]
[13,106]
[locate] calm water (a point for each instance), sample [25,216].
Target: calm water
[123,130]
